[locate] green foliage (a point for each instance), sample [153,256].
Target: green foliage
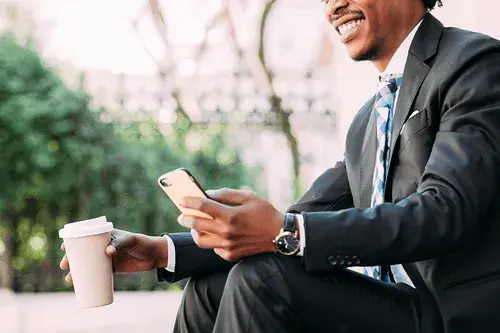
[60,162]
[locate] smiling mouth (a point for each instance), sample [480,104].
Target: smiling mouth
[349,29]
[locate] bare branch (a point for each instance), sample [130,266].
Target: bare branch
[262,54]
[167,68]
[232,32]
[157,62]
[212,23]
[203,47]
[162,30]
[282,115]
[252,62]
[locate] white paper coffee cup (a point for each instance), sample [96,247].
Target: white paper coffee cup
[91,268]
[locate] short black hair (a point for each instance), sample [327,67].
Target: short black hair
[430,4]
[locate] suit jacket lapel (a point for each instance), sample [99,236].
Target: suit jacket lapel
[424,46]
[368,156]
[415,73]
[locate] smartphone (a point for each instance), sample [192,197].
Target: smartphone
[181,183]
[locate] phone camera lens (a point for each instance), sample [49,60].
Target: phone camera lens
[165,182]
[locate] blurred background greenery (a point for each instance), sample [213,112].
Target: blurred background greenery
[100,97]
[61,162]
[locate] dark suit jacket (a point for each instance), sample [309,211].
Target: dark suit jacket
[442,216]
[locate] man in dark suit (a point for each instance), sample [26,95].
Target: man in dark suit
[415,202]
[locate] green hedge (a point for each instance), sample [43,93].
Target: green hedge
[60,162]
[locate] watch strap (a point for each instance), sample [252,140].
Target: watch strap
[290,223]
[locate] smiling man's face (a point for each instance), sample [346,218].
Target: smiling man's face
[373,29]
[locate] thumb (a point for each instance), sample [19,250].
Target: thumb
[228,196]
[120,240]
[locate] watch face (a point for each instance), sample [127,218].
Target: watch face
[287,244]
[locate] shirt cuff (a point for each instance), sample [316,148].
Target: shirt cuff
[171,255]
[302,234]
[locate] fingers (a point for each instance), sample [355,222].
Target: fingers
[210,241]
[244,250]
[111,250]
[207,206]
[120,240]
[64,264]
[63,247]
[226,254]
[198,223]
[229,196]
[223,231]
[69,279]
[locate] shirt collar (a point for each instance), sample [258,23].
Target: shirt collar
[398,60]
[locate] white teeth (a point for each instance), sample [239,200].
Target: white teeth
[344,28]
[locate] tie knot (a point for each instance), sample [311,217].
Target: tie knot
[391,79]
[387,88]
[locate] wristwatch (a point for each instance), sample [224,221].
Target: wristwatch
[287,242]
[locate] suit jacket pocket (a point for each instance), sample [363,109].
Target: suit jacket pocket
[414,125]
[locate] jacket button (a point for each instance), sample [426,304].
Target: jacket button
[332,260]
[356,260]
[349,263]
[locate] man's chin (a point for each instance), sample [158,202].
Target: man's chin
[364,55]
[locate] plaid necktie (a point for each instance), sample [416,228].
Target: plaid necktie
[384,108]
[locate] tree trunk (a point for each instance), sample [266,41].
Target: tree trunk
[11,245]
[6,272]
[293,145]
[51,229]
[282,116]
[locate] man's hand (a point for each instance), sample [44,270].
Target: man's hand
[131,253]
[244,224]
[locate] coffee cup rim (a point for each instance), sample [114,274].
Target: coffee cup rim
[86,228]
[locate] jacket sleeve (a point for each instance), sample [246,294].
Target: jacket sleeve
[191,261]
[329,192]
[458,188]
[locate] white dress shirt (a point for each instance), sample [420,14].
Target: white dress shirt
[395,66]
[398,60]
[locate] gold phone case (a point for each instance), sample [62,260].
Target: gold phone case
[180,183]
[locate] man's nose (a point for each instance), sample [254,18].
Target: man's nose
[333,7]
